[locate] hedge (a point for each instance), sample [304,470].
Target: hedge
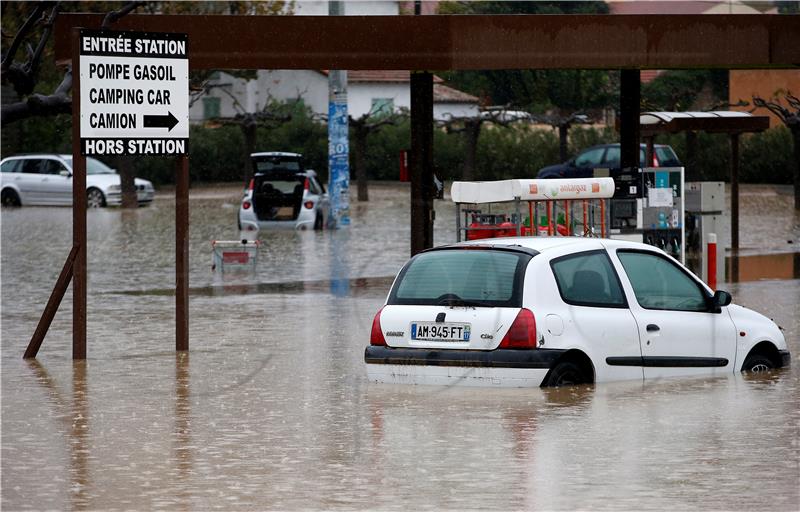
[217,154]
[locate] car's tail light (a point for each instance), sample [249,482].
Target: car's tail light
[305,184]
[376,336]
[251,185]
[246,205]
[522,333]
[309,204]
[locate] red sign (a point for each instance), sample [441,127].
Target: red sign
[235,257]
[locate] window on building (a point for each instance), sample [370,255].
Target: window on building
[382,106]
[210,108]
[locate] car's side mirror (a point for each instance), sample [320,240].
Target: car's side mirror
[65,173]
[721,298]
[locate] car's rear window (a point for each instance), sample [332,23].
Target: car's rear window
[666,157]
[472,277]
[93,166]
[10,166]
[276,163]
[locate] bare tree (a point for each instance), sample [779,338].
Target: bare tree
[362,127]
[24,75]
[469,127]
[271,116]
[563,123]
[791,118]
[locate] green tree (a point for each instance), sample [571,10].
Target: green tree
[684,89]
[565,91]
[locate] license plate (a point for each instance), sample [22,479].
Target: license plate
[440,331]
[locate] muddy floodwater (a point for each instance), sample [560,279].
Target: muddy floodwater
[271,408]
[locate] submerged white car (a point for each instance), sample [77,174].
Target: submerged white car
[552,311]
[282,194]
[47,180]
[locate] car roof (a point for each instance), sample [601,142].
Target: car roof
[276,153]
[36,155]
[616,145]
[542,244]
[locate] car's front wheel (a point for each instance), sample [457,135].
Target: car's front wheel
[95,198]
[10,198]
[756,363]
[565,373]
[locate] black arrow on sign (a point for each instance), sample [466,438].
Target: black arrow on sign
[167,121]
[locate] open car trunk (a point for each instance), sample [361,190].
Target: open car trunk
[278,195]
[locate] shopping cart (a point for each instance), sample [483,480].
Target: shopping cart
[234,254]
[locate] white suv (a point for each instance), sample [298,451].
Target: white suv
[550,311]
[282,194]
[47,180]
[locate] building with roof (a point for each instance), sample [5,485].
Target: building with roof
[368,91]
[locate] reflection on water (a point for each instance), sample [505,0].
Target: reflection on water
[272,409]
[763,266]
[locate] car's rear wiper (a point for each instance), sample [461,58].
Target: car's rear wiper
[459,302]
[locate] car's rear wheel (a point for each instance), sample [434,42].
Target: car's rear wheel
[565,373]
[10,198]
[318,222]
[95,198]
[756,363]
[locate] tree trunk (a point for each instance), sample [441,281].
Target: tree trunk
[127,183]
[472,131]
[690,160]
[359,158]
[249,132]
[796,135]
[563,130]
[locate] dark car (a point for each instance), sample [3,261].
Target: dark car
[605,155]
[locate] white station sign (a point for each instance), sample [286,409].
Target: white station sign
[134,93]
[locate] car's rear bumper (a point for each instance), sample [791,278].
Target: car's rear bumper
[504,368]
[142,197]
[249,222]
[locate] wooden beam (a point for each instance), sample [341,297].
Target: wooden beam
[79,267]
[182,254]
[421,161]
[50,310]
[470,42]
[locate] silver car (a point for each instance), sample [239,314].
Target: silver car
[282,194]
[47,180]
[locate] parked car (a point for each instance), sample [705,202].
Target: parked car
[282,194]
[47,180]
[552,311]
[606,155]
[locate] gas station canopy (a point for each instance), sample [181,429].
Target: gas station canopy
[723,121]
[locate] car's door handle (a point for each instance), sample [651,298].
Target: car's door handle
[653,328]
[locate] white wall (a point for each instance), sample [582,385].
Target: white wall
[227,106]
[290,84]
[312,87]
[360,96]
[353,8]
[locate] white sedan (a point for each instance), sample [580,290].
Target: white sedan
[552,311]
[47,180]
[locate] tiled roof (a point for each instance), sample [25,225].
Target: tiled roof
[444,94]
[648,75]
[379,75]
